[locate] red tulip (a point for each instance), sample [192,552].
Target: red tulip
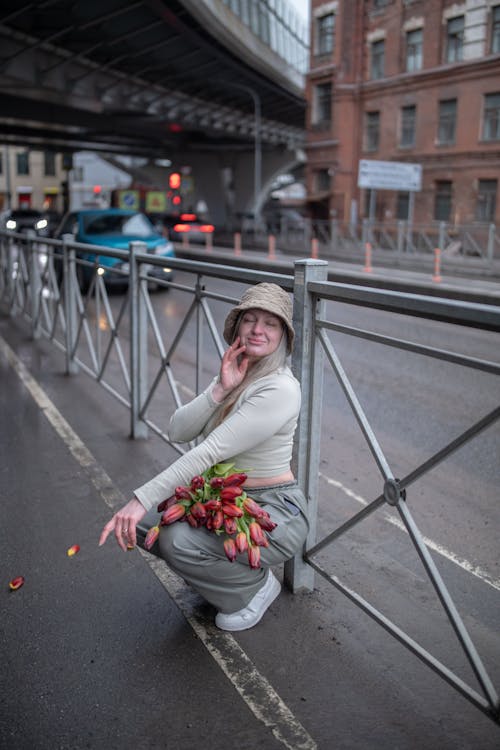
[241,542]
[229,494]
[234,479]
[266,523]
[16,583]
[217,519]
[192,521]
[73,550]
[213,505]
[230,549]
[254,556]
[257,535]
[252,508]
[197,483]
[217,482]
[232,510]
[172,514]
[230,525]
[198,511]
[183,493]
[151,537]
[166,504]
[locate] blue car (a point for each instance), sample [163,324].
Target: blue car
[114,228]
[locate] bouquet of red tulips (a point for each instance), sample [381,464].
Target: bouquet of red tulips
[217,501]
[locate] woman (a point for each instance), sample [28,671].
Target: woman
[247,417]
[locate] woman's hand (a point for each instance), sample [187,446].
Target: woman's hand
[124,524]
[233,369]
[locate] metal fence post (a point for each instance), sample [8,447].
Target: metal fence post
[70,308]
[307,364]
[35,284]
[441,240]
[138,342]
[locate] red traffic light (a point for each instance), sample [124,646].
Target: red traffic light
[174,180]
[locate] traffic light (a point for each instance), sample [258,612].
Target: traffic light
[174,180]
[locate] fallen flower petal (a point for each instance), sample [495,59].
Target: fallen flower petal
[16,583]
[151,537]
[73,550]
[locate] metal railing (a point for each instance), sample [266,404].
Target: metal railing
[39,282]
[479,243]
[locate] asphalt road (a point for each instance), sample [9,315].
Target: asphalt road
[346,680]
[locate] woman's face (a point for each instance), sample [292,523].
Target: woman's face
[260,332]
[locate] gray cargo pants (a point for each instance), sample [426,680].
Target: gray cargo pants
[197,555]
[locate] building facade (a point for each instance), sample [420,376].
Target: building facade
[410,81]
[32,179]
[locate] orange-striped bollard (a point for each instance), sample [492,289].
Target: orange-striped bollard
[368,258]
[237,243]
[314,248]
[437,265]
[271,245]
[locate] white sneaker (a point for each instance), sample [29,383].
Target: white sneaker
[253,612]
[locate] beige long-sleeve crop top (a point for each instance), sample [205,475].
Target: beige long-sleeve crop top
[257,435]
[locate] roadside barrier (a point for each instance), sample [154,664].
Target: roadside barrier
[237,243]
[368,258]
[437,266]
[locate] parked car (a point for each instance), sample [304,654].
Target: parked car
[179,225]
[114,228]
[23,219]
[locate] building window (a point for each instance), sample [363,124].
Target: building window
[455,39]
[49,163]
[372,131]
[23,162]
[322,180]
[495,28]
[491,124]
[408,126]
[403,206]
[325,34]
[414,50]
[447,121]
[377,55]
[486,200]
[322,114]
[442,200]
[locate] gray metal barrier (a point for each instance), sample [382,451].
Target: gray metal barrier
[39,282]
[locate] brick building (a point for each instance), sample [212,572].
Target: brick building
[415,81]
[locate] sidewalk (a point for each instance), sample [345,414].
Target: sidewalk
[106,650]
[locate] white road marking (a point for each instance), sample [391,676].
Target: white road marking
[259,695]
[474,570]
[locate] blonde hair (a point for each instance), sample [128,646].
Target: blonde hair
[264,366]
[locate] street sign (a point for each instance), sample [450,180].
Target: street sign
[389,175]
[128,199]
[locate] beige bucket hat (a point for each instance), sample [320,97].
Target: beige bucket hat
[265,296]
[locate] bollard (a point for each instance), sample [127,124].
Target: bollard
[437,265]
[368,258]
[271,244]
[208,242]
[185,240]
[237,243]
[314,248]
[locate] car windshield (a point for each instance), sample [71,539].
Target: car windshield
[136,225]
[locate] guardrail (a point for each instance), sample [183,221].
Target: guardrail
[39,282]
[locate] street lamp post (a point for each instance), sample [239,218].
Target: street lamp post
[257,182]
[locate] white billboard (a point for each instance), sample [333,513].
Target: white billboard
[389,175]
